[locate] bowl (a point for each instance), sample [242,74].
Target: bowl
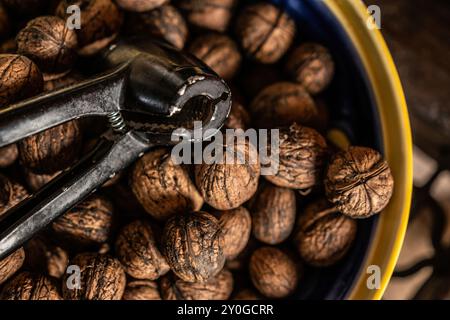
[367,107]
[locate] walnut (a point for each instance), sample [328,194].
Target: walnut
[30,286]
[359,182]
[324,235]
[10,264]
[8,155]
[273,214]
[90,222]
[141,290]
[11,193]
[236,226]
[36,181]
[137,250]
[227,184]
[273,272]
[140,5]
[216,288]
[192,246]
[163,188]
[102,278]
[301,158]
[281,104]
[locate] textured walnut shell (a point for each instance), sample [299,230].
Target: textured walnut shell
[273,272]
[30,286]
[51,150]
[208,14]
[165,22]
[20,79]
[137,250]
[11,193]
[36,181]
[192,246]
[90,222]
[301,158]
[229,184]
[163,188]
[216,288]
[311,65]
[140,5]
[236,226]
[359,182]
[282,104]
[8,155]
[141,290]
[10,264]
[219,52]
[265,32]
[239,117]
[102,278]
[273,214]
[324,235]
[49,43]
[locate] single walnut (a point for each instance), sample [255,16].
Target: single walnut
[192,246]
[100,23]
[5,22]
[49,43]
[311,65]
[141,290]
[236,226]
[20,79]
[273,272]
[165,22]
[238,117]
[102,278]
[216,288]
[324,235]
[273,214]
[281,104]
[219,52]
[30,286]
[208,14]
[8,155]
[247,294]
[265,32]
[163,188]
[11,193]
[140,5]
[300,159]
[137,250]
[10,264]
[90,222]
[229,182]
[359,182]
[52,150]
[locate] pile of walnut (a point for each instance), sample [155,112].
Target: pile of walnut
[161,230]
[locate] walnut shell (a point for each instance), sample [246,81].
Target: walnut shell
[8,155]
[11,193]
[301,158]
[227,184]
[102,278]
[281,104]
[273,272]
[90,222]
[10,264]
[163,188]
[273,214]
[324,235]
[141,290]
[311,65]
[236,226]
[20,79]
[137,250]
[359,182]
[140,5]
[216,288]
[36,181]
[52,150]
[49,43]
[192,246]
[30,286]
[265,32]
[219,52]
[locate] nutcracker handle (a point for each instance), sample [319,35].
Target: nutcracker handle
[23,221]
